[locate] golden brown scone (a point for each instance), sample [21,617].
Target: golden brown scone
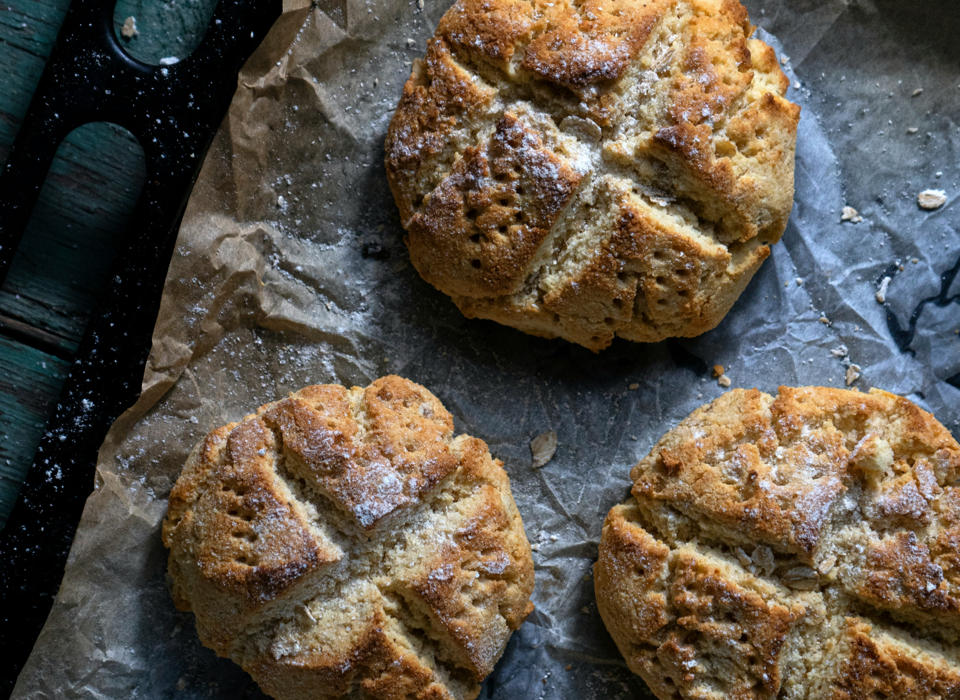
[591,169]
[802,547]
[339,543]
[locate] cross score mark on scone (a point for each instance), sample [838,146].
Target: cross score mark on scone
[591,169]
[805,547]
[342,540]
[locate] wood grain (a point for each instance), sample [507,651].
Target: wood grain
[29,383]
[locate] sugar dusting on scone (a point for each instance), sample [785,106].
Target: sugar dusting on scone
[341,543]
[804,547]
[594,169]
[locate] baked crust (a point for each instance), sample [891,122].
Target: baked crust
[340,540]
[840,510]
[593,169]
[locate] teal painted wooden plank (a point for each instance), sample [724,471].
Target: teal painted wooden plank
[93,184]
[65,255]
[28,29]
[30,382]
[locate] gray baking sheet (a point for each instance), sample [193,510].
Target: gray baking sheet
[291,270]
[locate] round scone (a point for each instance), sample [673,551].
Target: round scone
[596,168]
[803,547]
[342,543]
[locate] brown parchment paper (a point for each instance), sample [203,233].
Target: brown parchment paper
[291,270]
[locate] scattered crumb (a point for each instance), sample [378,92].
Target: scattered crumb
[535,547]
[840,351]
[129,28]
[419,4]
[634,386]
[853,374]
[917,92]
[182,683]
[912,130]
[410,42]
[852,215]
[882,291]
[915,260]
[585,610]
[723,381]
[718,370]
[542,448]
[932,199]
[169,60]
[824,320]
[799,281]
[569,666]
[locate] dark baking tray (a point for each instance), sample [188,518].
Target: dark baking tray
[174,112]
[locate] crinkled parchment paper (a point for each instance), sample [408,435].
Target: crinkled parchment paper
[291,270]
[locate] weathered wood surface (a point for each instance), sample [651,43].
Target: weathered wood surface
[61,265]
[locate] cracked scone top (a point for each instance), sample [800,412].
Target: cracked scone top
[344,544]
[803,547]
[593,168]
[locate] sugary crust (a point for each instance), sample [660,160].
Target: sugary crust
[543,151]
[490,215]
[867,662]
[339,540]
[689,621]
[841,501]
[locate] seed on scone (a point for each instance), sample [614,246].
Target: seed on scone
[763,557]
[820,476]
[802,578]
[588,171]
[340,540]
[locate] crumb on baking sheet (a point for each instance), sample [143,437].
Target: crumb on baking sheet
[853,374]
[542,448]
[718,370]
[850,214]
[882,290]
[932,199]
